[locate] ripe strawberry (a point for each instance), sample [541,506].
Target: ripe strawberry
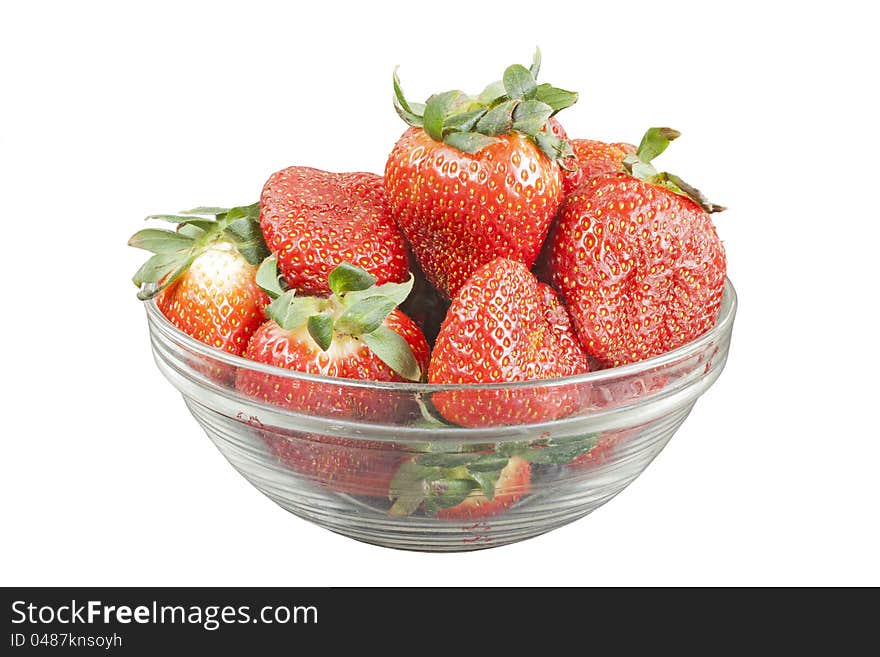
[355,467]
[476,178]
[637,260]
[596,157]
[356,333]
[203,274]
[314,220]
[504,326]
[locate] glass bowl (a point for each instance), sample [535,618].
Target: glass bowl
[376,461]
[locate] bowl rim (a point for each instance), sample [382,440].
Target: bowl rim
[723,325]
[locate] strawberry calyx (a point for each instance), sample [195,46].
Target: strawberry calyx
[516,103]
[356,308]
[445,476]
[638,165]
[198,230]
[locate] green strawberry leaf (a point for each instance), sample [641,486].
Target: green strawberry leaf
[464,121]
[365,316]
[160,271]
[448,459]
[193,230]
[556,98]
[498,120]
[321,329]
[158,266]
[446,493]
[269,279]
[489,463]
[486,481]
[560,452]
[393,350]
[519,83]
[638,169]
[438,107]
[492,93]
[556,149]
[655,141]
[513,448]
[469,142]
[346,278]
[181,220]
[159,240]
[529,116]
[247,236]
[408,488]
[535,68]
[290,311]
[396,292]
[411,113]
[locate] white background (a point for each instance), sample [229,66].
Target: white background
[109,113]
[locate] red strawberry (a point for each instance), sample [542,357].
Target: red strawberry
[597,157]
[203,275]
[504,326]
[356,333]
[353,334]
[356,467]
[476,178]
[315,220]
[637,260]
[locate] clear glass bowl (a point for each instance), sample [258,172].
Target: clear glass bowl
[329,456]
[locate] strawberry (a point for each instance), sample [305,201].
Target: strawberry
[355,467]
[477,178]
[595,157]
[314,220]
[355,333]
[458,485]
[636,259]
[505,326]
[203,274]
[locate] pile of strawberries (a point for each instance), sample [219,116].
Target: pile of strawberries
[494,249]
